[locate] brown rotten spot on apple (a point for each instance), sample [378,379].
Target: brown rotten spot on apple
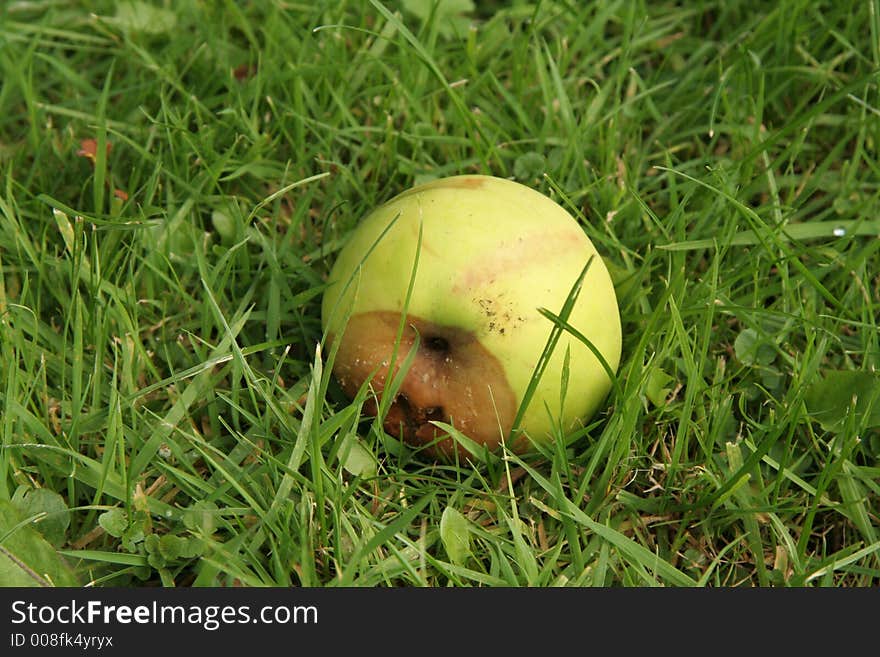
[452,379]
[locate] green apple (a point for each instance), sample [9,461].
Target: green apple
[491,252]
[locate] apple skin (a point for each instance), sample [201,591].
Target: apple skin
[492,252]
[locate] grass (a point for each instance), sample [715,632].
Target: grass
[175,179]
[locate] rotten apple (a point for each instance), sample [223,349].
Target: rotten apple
[457,269]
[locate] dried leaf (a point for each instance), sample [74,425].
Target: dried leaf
[244,71]
[88,148]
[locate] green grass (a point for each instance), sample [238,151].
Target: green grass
[159,302]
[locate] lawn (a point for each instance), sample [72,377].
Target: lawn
[176,179]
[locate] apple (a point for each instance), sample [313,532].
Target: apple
[491,252]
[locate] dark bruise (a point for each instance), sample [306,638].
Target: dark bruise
[452,379]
